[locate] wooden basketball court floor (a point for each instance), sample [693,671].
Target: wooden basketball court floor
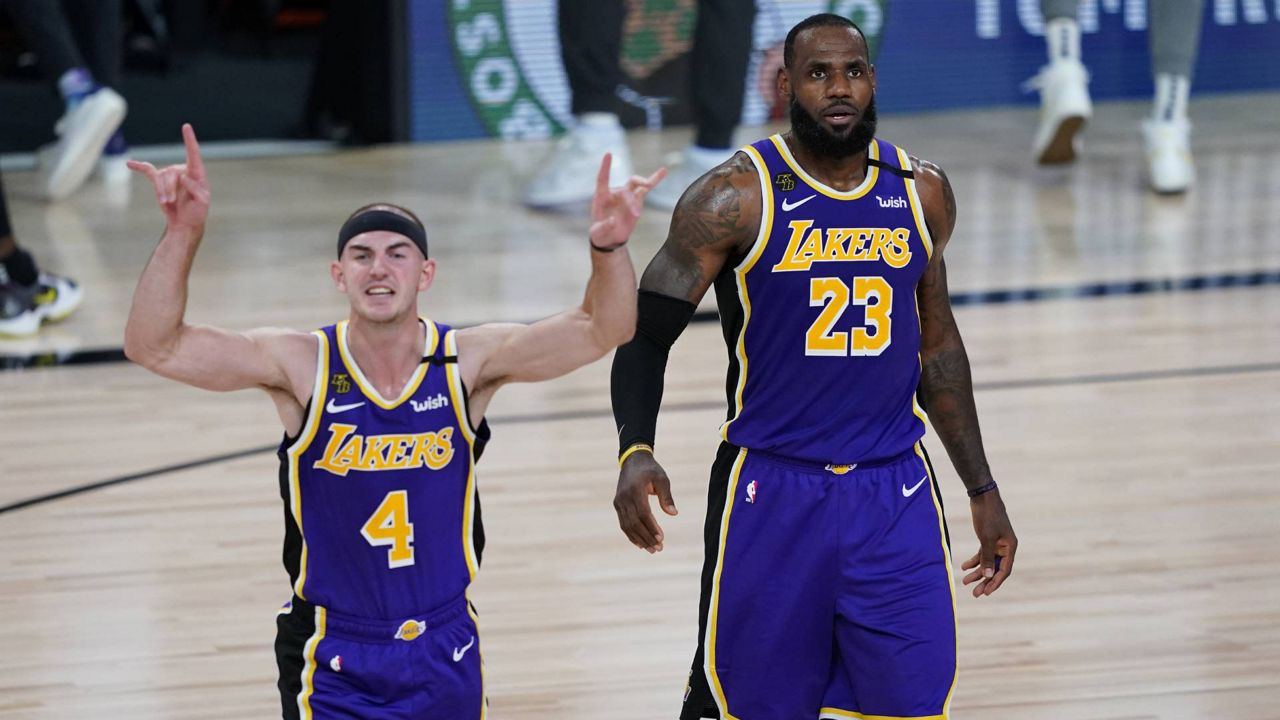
[1125,349]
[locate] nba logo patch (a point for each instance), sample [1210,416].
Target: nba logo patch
[336,663]
[751,492]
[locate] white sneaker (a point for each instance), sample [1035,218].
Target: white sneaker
[18,316]
[570,175]
[692,164]
[83,131]
[57,297]
[1168,150]
[1064,109]
[113,169]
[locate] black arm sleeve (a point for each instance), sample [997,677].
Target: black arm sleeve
[639,366]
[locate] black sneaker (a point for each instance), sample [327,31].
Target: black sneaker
[24,309]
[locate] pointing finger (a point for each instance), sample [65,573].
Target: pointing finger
[195,164]
[602,177]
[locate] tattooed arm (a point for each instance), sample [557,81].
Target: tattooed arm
[947,390]
[716,220]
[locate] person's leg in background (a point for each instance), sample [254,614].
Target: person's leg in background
[1063,84]
[28,297]
[721,51]
[1175,38]
[96,25]
[94,110]
[590,47]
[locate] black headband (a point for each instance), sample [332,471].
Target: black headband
[374,220]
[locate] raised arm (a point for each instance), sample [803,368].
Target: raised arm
[495,354]
[716,221]
[947,389]
[157,336]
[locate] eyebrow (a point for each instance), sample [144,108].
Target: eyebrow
[399,244]
[814,64]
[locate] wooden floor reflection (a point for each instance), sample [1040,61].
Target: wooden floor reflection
[1136,438]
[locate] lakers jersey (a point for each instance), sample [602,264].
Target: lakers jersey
[820,316]
[381,512]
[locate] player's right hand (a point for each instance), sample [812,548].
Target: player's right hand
[181,190]
[640,477]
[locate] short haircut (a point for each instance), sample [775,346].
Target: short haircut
[814,21]
[390,207]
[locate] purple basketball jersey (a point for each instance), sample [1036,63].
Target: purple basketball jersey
[821,314]
[379,493]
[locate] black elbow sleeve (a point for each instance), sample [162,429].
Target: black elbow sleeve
[638,367]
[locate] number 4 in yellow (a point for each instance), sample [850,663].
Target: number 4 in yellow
[389,525]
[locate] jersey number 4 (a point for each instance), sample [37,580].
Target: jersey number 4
[389,525]
[833,295]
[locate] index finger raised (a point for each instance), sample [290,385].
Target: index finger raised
[602,177]
[195,164]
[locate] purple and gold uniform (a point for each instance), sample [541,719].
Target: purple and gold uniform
[827,588]
[382,540]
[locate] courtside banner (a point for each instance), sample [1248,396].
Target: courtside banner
[491,68]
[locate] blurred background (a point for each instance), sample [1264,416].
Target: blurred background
[1121,313]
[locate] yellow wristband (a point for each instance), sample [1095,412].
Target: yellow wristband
[638,447]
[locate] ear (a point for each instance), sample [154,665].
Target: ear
[873,77]
[427,276]
[339,280]
[784,84]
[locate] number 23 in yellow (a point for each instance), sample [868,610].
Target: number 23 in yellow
[389,525]
[833,295]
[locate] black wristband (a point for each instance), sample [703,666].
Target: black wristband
[597,248]
[982,489]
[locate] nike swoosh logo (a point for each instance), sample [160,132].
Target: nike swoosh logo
[459,652]
[788,206]
[335,408]
[908,492]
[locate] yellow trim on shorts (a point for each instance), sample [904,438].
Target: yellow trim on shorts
[415,380]
[709,644]
[295,451]
[868,182]
[475,620]
[740,273]
[309,665]
[827,713]
[951,584]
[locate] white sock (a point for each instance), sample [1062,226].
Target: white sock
[1062,35]
[708,157]
[1171,97]
[598,121]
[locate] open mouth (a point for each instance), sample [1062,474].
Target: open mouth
[379,291]
[839,115]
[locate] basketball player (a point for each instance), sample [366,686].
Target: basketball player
[827,588]
[383,418]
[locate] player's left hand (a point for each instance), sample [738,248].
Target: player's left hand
[614,211]
[994,561]
[182,191]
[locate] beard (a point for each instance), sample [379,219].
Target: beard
[823,142]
